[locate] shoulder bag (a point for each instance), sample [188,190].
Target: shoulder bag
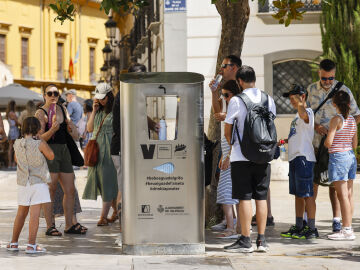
[91,152]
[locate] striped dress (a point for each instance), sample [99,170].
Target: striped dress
[224,190]
[343,137]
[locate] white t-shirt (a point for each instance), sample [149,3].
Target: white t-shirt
[237,110]
[301,137]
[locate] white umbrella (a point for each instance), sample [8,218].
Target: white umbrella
[19,94]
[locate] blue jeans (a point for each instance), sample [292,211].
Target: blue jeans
[342,166]
[301,177]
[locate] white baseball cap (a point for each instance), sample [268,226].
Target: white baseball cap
[101,90]
[71,91]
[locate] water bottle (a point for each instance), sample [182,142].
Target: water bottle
[216,83]
[162,130]
[282,150]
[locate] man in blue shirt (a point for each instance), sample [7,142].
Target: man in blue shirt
[74,107]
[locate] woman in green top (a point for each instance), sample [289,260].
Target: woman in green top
[102,178]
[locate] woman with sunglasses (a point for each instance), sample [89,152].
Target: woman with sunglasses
[224,190]
[102,178]
[55,122]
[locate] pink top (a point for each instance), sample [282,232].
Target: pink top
[343,137]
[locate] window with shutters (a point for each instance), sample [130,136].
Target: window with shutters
[92,64]
[60,61]
[25,71]
[3,48]
[286,73]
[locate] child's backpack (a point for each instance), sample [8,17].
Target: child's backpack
[259,140]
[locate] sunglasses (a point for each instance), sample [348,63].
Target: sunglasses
[225,95]
[50,93]
[225,65]
[327,78]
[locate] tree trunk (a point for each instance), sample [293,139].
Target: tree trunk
[234,18]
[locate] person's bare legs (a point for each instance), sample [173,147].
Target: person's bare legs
[316,188]
[228,212]
[48,207]
[245,213]
[105,209]
[34,222]
[10,153]
[350,186]
[335,205]
[345,206]
[261,215]
[68,186]
[19,222]
[268,202]
[310,206]
[299,206]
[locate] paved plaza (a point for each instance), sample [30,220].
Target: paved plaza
[98,249]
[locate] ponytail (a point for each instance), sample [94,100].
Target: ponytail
[342,100]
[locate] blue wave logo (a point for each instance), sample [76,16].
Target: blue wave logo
[167,168]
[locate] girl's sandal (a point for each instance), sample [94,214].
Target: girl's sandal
[34,249]
[75,229]
[52,231]
[83,228]
[12,247]
[103,222]
[113,218]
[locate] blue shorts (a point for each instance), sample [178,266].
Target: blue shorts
[301,177]
[342,166]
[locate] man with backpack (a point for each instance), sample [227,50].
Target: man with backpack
[249,125]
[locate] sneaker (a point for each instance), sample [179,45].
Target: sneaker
[241,245]
[306,233]
[219,227]
[270,221]
[336,226]
[293,229]
[261,245]
[342,235]
[228,234]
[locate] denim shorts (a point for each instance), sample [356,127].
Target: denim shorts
[342,166]
[301,177]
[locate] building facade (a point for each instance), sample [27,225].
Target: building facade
[38,50]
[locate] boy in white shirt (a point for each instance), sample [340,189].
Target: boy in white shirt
[301,165]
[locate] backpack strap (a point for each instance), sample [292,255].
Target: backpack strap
[330,95]
[44,111]
[247,101]
[264,100]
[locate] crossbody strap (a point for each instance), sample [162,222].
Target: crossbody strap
[330,95]
[102,122]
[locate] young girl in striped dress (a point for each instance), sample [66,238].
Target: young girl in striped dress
[341,140]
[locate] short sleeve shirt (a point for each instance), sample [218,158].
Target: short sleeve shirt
[316,94]
[237,110]
[75,111]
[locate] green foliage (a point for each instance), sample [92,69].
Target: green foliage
[340,30]
[64,9]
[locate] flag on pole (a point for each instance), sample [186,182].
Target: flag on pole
[71,69]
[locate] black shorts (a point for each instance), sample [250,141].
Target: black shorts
[250,180]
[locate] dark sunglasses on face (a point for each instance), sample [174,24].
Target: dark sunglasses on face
[225,65]
[50,93]
[327,78]
[225,95]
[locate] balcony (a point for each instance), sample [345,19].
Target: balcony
[28,73]
[311,16]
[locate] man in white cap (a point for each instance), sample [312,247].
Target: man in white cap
[74,107]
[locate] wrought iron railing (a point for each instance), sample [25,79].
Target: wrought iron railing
[308,6]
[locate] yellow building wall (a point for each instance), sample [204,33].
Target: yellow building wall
[35,16]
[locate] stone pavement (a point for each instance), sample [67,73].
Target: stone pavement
[98,250]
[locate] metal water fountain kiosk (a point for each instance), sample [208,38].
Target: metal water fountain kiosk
[163,180]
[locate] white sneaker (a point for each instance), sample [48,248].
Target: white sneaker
[219,227]
[342,235]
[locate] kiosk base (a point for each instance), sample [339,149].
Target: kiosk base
[164,249]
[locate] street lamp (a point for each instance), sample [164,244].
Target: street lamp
[107,53]
[110,26]
[103,72]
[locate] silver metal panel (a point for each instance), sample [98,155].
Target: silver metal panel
[162,213]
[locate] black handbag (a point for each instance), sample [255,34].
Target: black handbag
[76,157]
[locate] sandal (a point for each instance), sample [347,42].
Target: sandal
[228,234]
[113,218]
[75,229]
[52,231]
[35,249]
[83,228]
[103,222]
[12,247]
